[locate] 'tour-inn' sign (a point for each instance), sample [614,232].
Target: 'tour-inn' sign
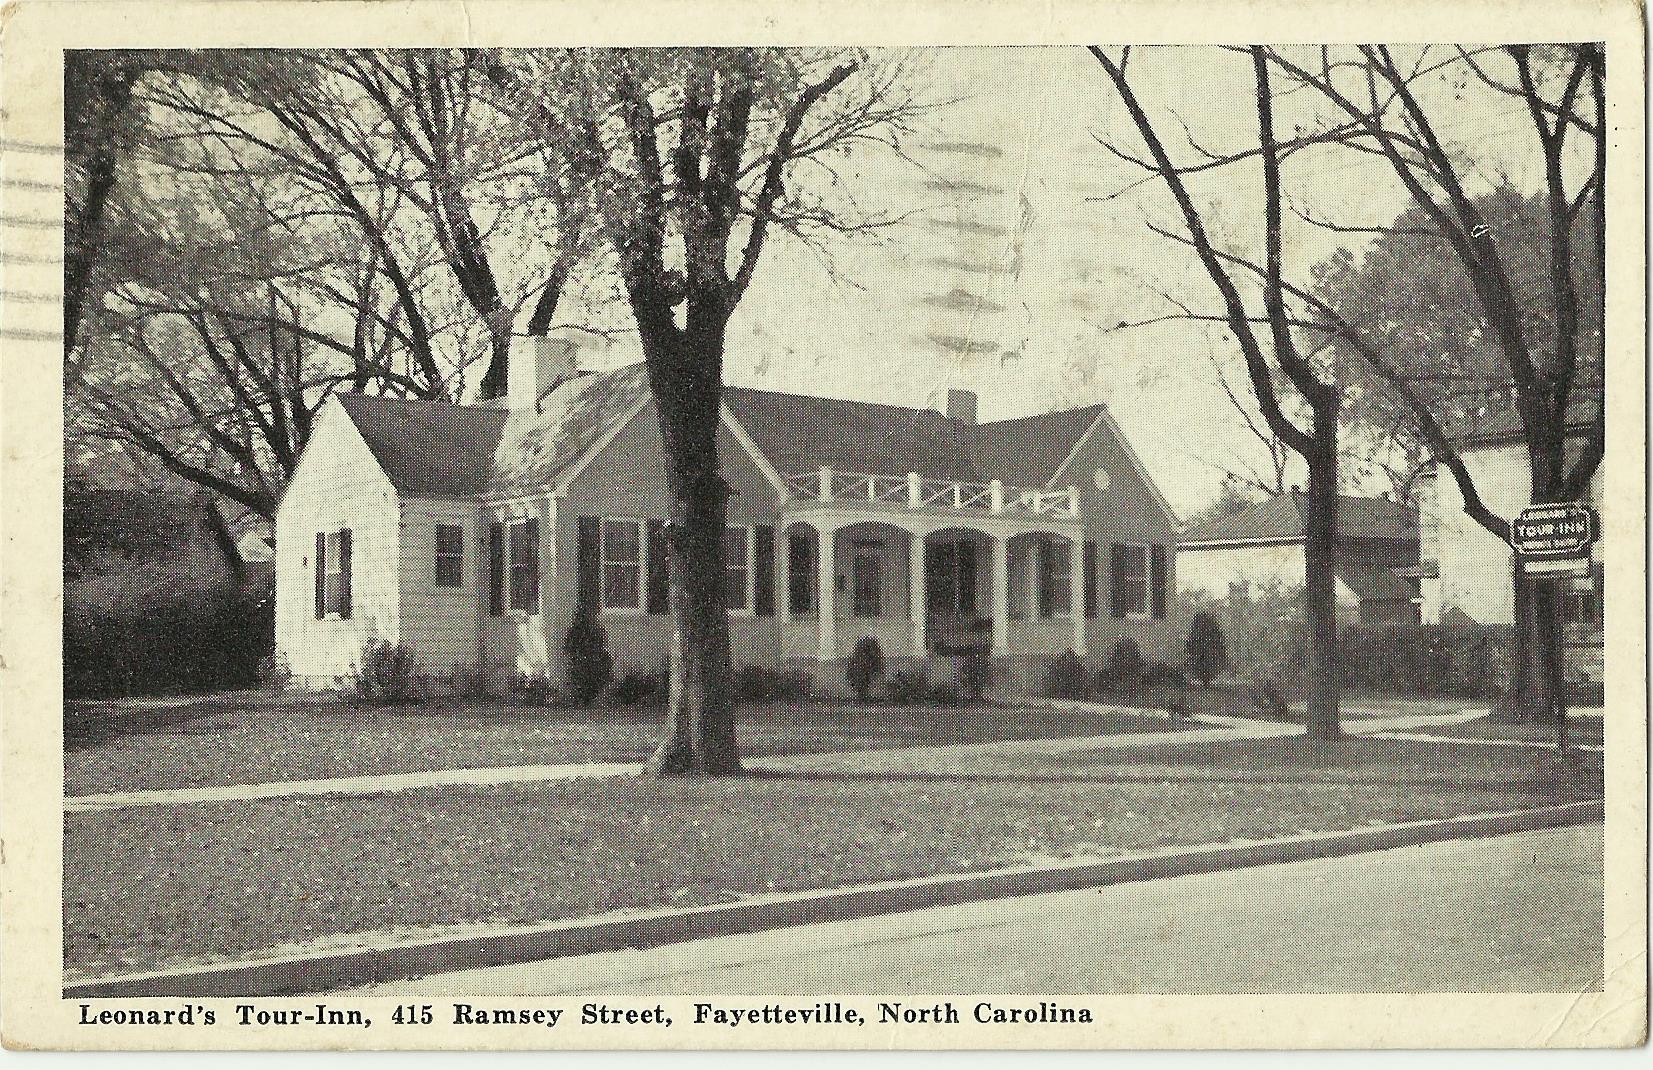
[1555,538]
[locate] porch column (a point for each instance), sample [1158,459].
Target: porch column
[1001,594]
[917,601]
[825,613]
[1076,597]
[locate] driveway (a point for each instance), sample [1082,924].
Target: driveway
[1518,913]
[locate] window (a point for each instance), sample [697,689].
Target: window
[866,571]
[450,555]
[737,567]
[1130,580]
[800,573]
[335,572]
[1055,578]
[525,566]
[622,564]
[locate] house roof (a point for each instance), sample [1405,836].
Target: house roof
[798,434]
[440,450]
[429,449]
[1281,518]
[1376,584]
[1505,425]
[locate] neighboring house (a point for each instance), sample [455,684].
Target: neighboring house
[471,534]
[1262,545]
[1468,572]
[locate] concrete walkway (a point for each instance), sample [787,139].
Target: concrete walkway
[872,761]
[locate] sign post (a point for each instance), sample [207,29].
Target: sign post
[1552,542]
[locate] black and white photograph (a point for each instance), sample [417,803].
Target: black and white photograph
[621,546]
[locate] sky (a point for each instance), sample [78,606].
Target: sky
[1010,266]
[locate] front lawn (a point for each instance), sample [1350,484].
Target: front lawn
[246,740]
[162,886]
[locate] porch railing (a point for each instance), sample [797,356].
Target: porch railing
[917,492]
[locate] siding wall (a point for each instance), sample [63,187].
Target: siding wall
[1125,512]
[440,624]
[627,480]
[338,484]
[1475,565]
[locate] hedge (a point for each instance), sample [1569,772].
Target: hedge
[178,643]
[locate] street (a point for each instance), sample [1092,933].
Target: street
[1515,913]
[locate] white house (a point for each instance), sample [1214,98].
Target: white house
[471,533]
[1468,572]
[1262,546]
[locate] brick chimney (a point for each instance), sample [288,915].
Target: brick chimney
[539,363]
[961,405]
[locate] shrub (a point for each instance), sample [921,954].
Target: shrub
[387,675]
[1123,672]
[755,683]
[273,673]
[635,688]
[1159,674]
[1067,677]
[535,689]
[975,676]
[589,665]
[1468,660]
[168,640]
[945,694]
[908,687]
[1206,648]
[1261,696]
[865,667]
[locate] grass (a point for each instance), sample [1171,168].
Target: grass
[247,740]
[157,887]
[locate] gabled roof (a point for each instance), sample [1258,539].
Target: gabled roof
[429,449]
[439,450]
[1281,518]
[799,434]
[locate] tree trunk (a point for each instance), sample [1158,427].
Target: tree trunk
[1537,686]
[1320,579]
[497,377]
[700,717]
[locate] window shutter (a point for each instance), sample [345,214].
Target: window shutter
[496,569]
[533,555]
[1046,595]
[659,600]
[1090,579]
[763,559]
[1156,581]
[1116,580]
[344,573]
[589,564]
[321,574]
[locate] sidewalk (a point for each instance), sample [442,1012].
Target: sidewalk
[903,759]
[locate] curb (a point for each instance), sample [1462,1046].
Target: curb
[374,966]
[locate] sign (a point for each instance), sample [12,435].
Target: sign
[1554,538]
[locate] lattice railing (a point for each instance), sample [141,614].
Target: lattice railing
[916,492]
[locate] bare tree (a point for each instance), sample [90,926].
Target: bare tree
[696,158]
[1316,444]
[1377,95]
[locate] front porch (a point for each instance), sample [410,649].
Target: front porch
[929,567]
